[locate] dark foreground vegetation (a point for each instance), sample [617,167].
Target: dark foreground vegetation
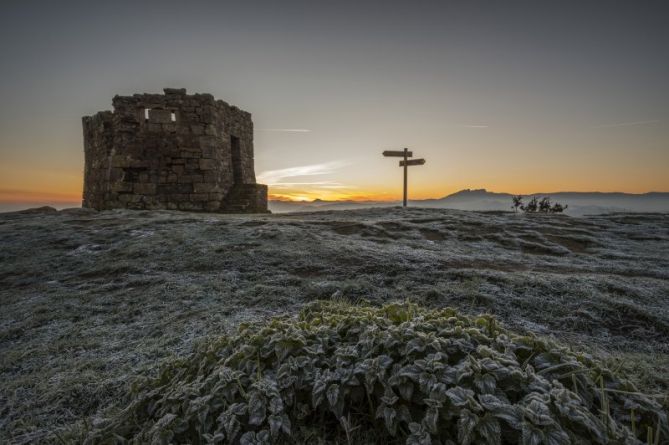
[91,302]
[340,373]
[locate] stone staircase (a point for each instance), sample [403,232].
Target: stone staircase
[246,198]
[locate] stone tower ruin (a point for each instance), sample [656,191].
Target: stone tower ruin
[171,151]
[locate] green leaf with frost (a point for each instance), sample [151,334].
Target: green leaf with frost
[406,390]
[431,420]
[459,396]
[418,435]
[538,413]
[466,426]
[488,428]
[256,409]
[531,435]
[333,395]
[255,438]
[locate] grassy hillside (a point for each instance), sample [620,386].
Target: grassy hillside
[90,300]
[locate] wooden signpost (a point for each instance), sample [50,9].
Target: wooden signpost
[406,154]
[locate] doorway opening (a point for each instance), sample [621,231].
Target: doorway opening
[235,151]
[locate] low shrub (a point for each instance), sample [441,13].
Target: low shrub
[535,205]
[338,373]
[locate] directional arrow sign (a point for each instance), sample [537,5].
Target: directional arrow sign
[398,153]
[412,162]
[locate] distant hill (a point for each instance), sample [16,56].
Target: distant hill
[580,203]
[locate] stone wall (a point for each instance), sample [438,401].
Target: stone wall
[170,151]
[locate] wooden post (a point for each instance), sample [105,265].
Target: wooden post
[405,176]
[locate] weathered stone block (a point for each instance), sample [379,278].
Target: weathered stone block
[196,197]
[144,188]
[168,190]
[187,205]
[205,187]
[211,176]
[115,174]
[213,206]
[128,198]
[174,91]
[207,164]
[186,154]
[170,128]
[121,187]
[137,163]
[119,161]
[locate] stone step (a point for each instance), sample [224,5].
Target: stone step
[244,198]
[236,207]
[238,203]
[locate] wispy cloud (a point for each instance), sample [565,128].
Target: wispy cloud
[626,124]
[276,177]
[319,185]
[287,130]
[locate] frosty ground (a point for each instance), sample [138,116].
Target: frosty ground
[90,300]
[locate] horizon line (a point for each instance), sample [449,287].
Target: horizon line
[58,199]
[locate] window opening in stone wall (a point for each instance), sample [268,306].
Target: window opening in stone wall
[173,116]
[146,114]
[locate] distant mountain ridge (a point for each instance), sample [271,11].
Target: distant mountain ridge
[475,193]
[486,193]
[580,203]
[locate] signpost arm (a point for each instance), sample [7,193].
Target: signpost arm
[405,176]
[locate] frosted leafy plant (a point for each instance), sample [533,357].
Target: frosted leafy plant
[395,374]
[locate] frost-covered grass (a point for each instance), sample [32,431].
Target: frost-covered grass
[91,299]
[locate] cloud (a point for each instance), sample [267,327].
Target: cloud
[626,124]
[276,177]
[473,126]
[287,130]
[320,185]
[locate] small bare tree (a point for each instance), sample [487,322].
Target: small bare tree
[545,205]
[535,205]
[558,208]
[531,206]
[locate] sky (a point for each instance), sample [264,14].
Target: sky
[513,96]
